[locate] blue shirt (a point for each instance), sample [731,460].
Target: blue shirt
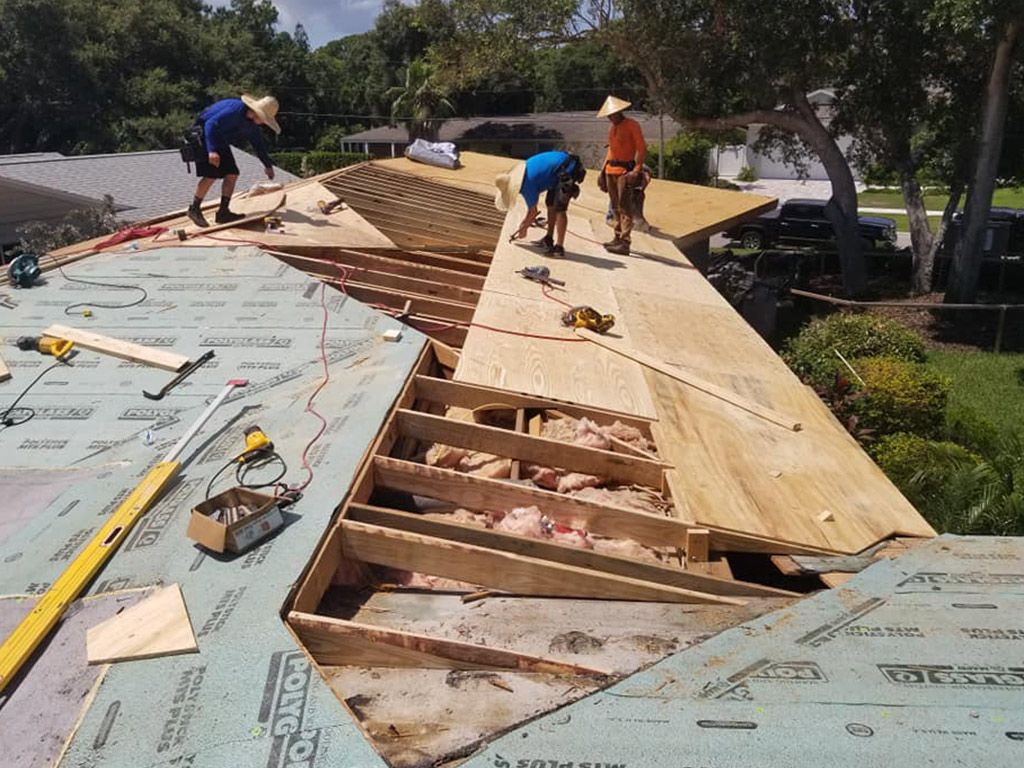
[224,123]
[541,174]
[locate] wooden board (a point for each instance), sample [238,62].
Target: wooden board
[336,641]
[158,626]
[502,570]
[126,350]
[5,372]
[254,209]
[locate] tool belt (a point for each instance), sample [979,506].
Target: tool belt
[569,181]
[192,145]
[629,165]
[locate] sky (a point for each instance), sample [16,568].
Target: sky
[324,20]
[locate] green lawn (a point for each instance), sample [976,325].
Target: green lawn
[990,383]
[901,220]
[1010,197]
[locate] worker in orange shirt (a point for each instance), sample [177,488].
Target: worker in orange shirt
[622,170]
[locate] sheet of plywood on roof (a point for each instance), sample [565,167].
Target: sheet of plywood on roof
[560,367]
[676,210]
[733,470]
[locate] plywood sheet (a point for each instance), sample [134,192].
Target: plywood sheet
[158,626]
[734,471]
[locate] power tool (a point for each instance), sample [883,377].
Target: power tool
[540,274]
[588,317]
[257,445]
[47,345]
[327,208]
[24,270]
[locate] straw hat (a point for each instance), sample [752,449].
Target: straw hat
[612,105]
[508,184]
[266,108]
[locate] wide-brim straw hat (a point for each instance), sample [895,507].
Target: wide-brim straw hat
[266,108]
[612,105]
[508,184]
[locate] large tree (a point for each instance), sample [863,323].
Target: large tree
[993,28]
[710,64]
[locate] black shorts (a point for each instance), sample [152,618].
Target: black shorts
[227,167]
[560,195]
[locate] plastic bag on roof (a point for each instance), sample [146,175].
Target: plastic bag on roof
[443,154]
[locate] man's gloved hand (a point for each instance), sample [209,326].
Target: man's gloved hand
[602,182]
[269,171]
[214,159]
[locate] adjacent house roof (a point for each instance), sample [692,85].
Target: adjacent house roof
[143,184]
[561,127]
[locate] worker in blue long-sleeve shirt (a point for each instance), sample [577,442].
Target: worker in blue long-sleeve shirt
[227,122]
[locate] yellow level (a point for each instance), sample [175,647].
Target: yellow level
[33,629]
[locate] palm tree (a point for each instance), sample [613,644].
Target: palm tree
[419,102]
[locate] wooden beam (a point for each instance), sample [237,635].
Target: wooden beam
[438,257]
[502,570]
[446,356]
[5,372]
[418,305]
[691,380]
[414,285]
[475,492]
[327,259]
[615,467]
[126,350]
[467,395]
[481,215]
[665,575]
[338,642]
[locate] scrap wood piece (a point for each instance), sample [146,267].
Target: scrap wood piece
[691,380]
[157,626]
[334,641]
[5,372]
[126,350]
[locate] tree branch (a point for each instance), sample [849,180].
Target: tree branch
[785,120]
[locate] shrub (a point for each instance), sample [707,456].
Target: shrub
[686,157]
[746,174]
[41,237]
[321,162]
[968,428]
[289,161]
[811,354]
[900,397]
[901,456]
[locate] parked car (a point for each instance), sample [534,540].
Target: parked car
[1005,235]
[803,222]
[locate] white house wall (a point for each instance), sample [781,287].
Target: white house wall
[730,160]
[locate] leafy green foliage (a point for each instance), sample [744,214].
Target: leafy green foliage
[421,102]
[746,174]
[40,237]
[811,354]
[900,397]
[686,157]
[955,489]
[313,163]
[966,427]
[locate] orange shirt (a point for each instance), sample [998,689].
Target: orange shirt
[624,141]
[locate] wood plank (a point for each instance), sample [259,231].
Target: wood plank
[732,398]
[418,305]
[126,350]
[698,542]
[5,372]
[433,258]
[157,626]
[414,285]
[837,579]
[615,467]
[483,493]
[560,553]
[446,357]
[339,642]
[466,395]
[502,570]
[326,258]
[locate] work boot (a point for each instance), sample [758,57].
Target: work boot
[557,251]
[620,248]
[225,216]
[611,243]
[546,242]
[195,215]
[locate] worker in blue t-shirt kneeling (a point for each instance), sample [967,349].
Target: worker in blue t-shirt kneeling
[558,174]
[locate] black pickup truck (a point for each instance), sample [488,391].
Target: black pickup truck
[803,222]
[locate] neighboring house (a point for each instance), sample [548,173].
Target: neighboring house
[46,186]
[515,135]
[729,160]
